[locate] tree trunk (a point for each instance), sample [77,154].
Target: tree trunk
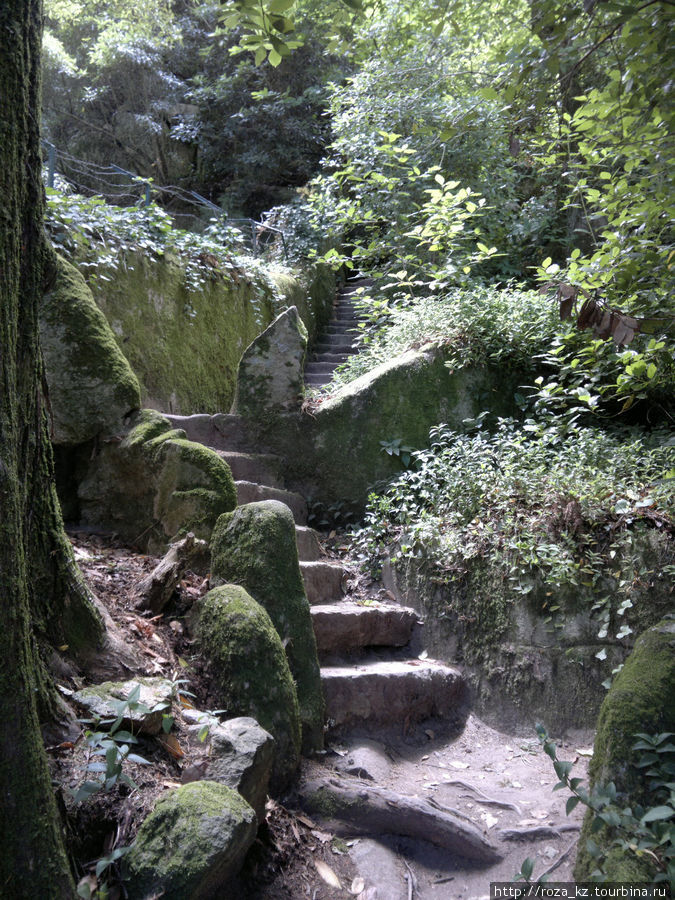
[41,596]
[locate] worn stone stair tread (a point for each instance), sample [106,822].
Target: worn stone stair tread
[336,358]
[316,380]
[348,625]
[392,692]
[261,467]
[320,368]
[252,492]
[323,580]
[309,548]
[221,431]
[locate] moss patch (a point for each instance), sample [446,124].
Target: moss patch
[255,546]
[250,670]
[91,384]
[192,843]
[155,486]
[641,699]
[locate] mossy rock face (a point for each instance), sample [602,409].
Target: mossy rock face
[192,844]
[342,456]
[154,486]
[185,345]
[640,700]
[255,546]
[91,385]
[250,671]
[270,375]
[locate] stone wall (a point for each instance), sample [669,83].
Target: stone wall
[184,345]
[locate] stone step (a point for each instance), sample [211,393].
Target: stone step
[350,626]
[261,467]
[309,548]
[392,693]
[336,328]
[316,380]
[320,368]
[221,431]
[334,344]
[323,581]
[252,492]
[336,358]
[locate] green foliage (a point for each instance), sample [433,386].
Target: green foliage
[477,325]
[98,236]
[113,744]
[540,505]
[641,831]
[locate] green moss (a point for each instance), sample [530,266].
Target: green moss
[640,700]
[255,546]
[91,384]
[191,843]
[155,486]
[250,670]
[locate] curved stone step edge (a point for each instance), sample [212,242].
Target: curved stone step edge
[393,692]
[252,492]
[307,540]
[264,468]
[348,625]
[324,581]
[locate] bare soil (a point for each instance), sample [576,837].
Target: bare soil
[501,782]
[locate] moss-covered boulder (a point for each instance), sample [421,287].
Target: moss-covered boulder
[255,546]
[250,671]
[640,700]
[270,375]
[91,385]
[154,486]
[192,844]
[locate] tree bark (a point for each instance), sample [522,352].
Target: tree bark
[42,600]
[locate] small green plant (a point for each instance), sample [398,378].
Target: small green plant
[396,447]
[644,830]
[111,744]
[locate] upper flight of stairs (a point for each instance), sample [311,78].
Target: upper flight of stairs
[371,675]
[337,343]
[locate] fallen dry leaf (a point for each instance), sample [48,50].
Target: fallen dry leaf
[327,874]
[358,885]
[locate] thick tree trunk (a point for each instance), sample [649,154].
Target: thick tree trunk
[41,599]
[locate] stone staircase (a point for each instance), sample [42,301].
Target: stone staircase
[371,673]
[337,343]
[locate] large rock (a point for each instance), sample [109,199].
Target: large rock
[241,756]
[154,486]
[270,376]
[255,546]
[91,384]
[640,700]
[192,844]
[250,671]
[335,451]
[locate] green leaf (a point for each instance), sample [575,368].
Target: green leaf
[571,803]
[280,6]
[658,813]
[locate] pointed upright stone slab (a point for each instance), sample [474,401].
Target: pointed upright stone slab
[269,379]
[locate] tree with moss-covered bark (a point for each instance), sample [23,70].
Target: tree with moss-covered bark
[43,603]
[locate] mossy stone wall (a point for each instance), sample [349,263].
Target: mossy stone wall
[184,345]
[91,385]
[525,665]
